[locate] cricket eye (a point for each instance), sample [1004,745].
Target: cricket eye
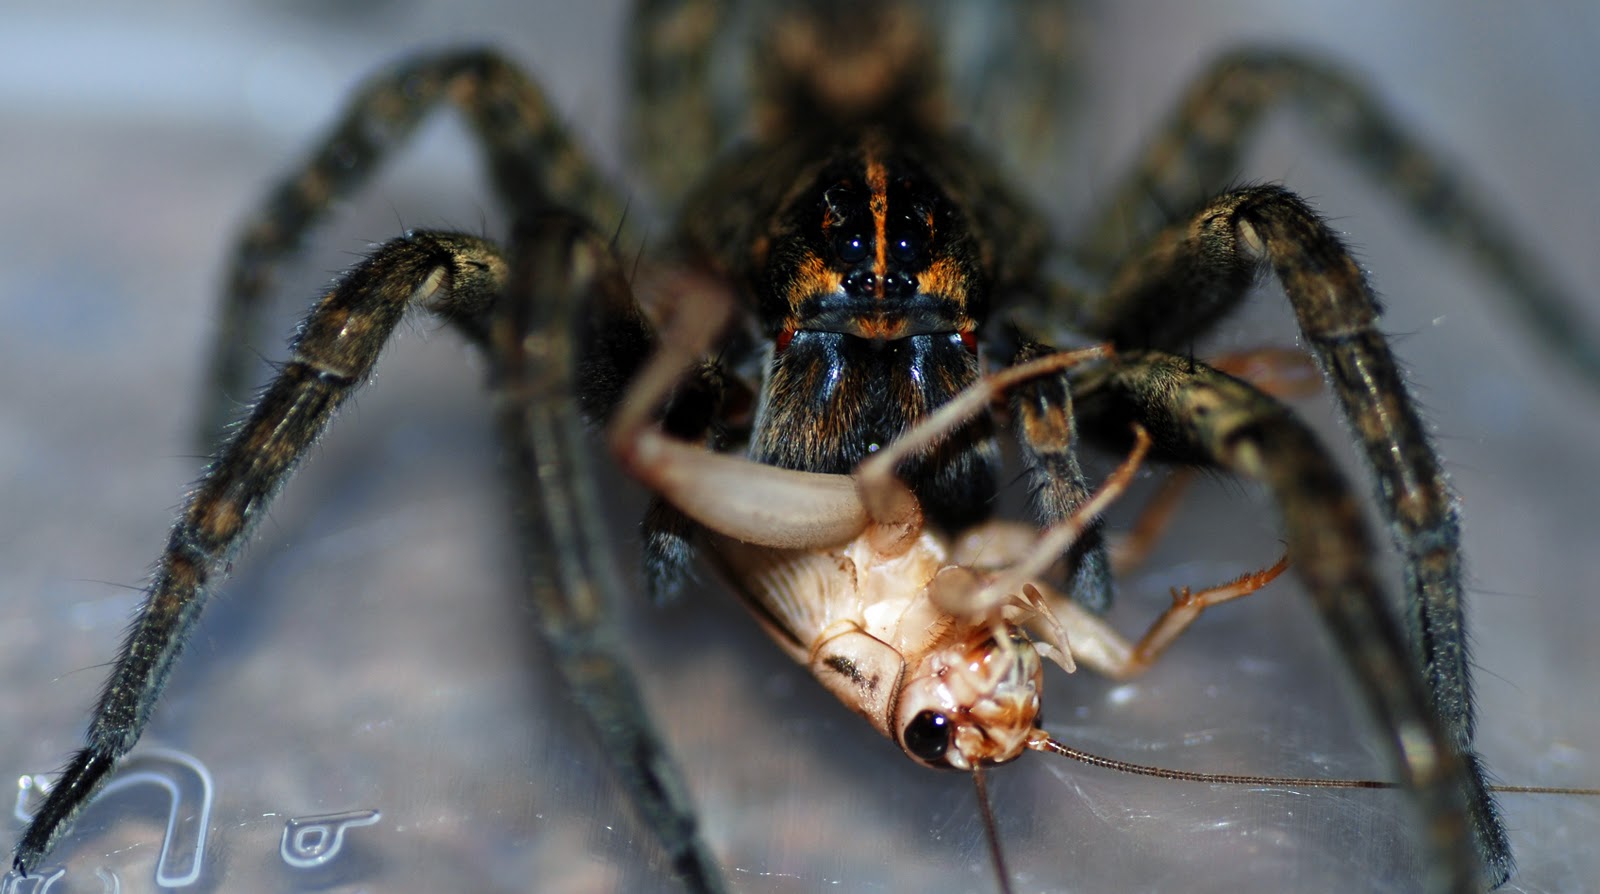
[927,737]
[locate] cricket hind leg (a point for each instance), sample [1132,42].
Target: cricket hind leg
[1100,646]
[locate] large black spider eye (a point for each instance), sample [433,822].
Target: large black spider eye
[906,244]
[906,249]
[851,248]
[927,736]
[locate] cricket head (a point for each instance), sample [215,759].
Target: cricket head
[973,702]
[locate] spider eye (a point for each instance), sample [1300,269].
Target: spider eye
[927,737]
[851,248]
[906,246]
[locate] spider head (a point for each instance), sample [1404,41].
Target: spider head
[972,703]
[873,247]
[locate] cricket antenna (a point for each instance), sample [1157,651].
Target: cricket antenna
[986,810]
[1043,741]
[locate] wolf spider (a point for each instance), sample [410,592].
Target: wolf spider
[1207,184]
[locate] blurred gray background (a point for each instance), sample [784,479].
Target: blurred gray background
[370,651]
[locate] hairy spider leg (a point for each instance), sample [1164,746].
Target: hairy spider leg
[570,575]
[456,276]
[1283,373]
[1028,78]
[1197,154]
[1203,417]
[534,164]
[532,160]
[559,265]
[1043,424]
[674,125]
[1195,271]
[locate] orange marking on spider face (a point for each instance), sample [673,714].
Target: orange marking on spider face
[944,278]
[881,328]
[812,277]
[878,204]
